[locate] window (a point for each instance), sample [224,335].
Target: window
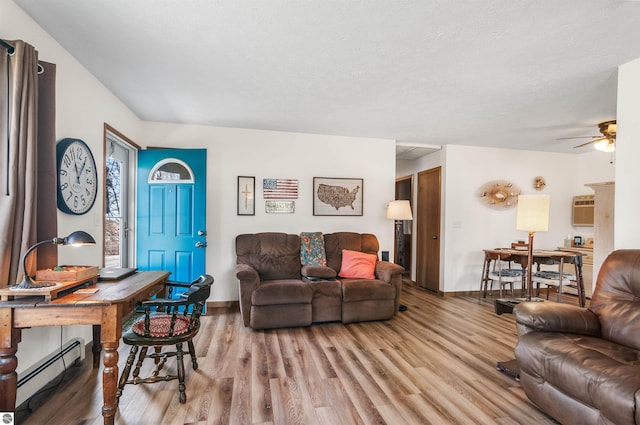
[120,164]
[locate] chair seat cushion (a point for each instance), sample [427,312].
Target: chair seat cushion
[159,326]
[552,278]
[508,272]
[507,275]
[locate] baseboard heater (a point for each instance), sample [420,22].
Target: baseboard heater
[42,373]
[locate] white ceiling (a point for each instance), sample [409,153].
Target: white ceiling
[504,73]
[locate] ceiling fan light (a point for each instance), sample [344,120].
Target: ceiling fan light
[605,145]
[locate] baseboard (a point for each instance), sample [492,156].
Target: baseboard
[222,304]
[48,369]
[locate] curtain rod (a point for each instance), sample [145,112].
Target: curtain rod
[9,47]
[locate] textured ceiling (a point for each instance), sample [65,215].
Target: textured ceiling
[504,73]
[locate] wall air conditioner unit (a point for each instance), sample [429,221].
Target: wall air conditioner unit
[583,210]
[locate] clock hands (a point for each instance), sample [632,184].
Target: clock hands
[79,172]
[75,165]
[84,164]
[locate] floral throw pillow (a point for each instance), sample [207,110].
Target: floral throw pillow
[312,251]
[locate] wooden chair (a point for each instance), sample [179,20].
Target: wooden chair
[497,268]
[560,279]
[166,323]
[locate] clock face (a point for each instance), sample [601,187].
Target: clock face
[77,177]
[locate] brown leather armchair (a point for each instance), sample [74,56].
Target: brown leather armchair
[582,366]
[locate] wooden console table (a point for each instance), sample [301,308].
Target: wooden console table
[105,310]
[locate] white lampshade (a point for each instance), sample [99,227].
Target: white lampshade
[533,213]
[399,210]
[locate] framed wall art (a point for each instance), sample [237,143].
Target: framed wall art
[279,207]
[337,196]
[246,195]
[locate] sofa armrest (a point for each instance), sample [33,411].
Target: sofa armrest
[321,272]
[554,317]
[385,271]
[391,274]
[248,281]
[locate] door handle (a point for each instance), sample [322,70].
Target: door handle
[201,244]
[434,237]
[202,233]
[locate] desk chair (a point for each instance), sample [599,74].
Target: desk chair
[166,322]
[497,267]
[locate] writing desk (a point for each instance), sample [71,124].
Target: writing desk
[105,310]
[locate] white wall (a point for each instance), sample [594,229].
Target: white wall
[269,154]
[469,226]
[627,230]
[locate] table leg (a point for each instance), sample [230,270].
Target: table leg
[109,336]
[582,299]
[96,347]
[9,339]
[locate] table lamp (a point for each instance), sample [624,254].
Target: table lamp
[76,238]
[532,216]
[399,210]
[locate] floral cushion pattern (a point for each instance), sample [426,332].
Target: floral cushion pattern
[312,251]
[160,325]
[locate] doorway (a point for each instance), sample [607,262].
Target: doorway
[171,212]
[428,229]
[402,240]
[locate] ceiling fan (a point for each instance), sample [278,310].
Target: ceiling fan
[606,142]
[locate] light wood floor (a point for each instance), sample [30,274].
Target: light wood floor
[433,364]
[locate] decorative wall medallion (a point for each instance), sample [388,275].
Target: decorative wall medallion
[499,194]
[539,183]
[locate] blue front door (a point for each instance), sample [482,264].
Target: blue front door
[171,212]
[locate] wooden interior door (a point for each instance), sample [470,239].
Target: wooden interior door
[428,230]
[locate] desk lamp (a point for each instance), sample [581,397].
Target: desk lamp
[532,216]
[76,238]
[399,210]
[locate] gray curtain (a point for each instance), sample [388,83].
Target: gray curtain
[19,160]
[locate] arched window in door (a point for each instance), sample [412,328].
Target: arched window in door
[171,170]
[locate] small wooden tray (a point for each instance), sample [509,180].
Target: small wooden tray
[69,274]
[49,292]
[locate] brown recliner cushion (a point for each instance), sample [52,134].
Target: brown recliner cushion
[366,289]
[273,255]
[286,291]
[334,243]
[616,300]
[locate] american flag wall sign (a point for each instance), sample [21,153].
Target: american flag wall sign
[280,188]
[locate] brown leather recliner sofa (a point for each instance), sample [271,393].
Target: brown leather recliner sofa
[277,291]
[582,366]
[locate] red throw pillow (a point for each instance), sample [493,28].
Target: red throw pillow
[357,264]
